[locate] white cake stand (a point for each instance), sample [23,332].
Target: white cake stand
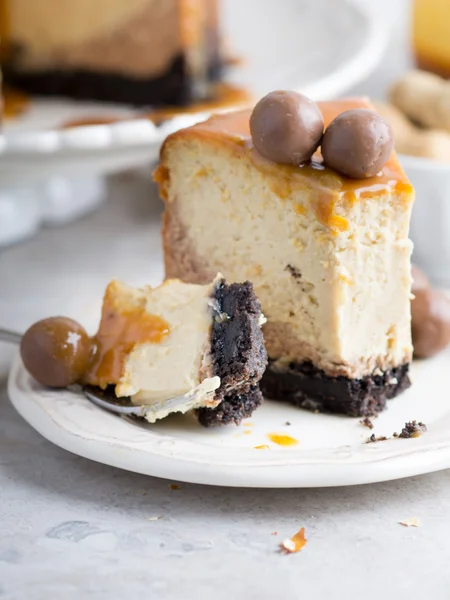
[50,175]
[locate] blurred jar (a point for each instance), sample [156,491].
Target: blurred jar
[431,35]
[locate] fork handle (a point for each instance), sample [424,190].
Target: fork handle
[10,336]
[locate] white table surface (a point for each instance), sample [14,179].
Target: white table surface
[70,528]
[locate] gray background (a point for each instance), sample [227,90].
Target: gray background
[70,528]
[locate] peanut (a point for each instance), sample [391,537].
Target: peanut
[412,140]
[424,98]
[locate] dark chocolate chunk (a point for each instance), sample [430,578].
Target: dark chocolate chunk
[56,351]
[293,271]
[357,143]
[286,127]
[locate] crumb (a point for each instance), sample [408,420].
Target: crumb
[412,522]
[287,423]
[374,438]
[262,447]
[247,431]
[174,486]
[413,429]
[274,532]
[295,543]
[367,422]
[154,518]
[293,271]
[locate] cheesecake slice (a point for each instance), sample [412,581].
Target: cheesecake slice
[138,52]
[201,342]
[329,258]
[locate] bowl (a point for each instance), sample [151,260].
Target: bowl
[430,221]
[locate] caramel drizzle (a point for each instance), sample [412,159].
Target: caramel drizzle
[281,439]
[119,332]
[223,96]
[332,190]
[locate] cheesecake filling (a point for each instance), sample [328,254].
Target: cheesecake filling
[139,38]
[154,344]
[329,256]
[106,35]
[337,298]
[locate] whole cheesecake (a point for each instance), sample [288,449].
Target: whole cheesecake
[140,52]
[329,258]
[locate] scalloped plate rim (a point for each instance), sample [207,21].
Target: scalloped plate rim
[174,458]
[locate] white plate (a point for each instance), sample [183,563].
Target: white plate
[321,47]
[330,451]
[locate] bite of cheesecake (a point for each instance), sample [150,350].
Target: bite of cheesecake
[328,254]
[201,342]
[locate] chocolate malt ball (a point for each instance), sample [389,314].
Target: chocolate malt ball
[357,143]
[56,351]
[286,127]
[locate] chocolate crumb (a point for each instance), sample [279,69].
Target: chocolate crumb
[413,429]
[367,422]
[374,438]
[293,271]
[287,423]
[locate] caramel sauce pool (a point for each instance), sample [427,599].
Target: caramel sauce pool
[223,95]
[14,103]
[282,439]
[119,332]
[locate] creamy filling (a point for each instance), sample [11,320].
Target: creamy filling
[335,292]
[181,361]
[138,37]
[154,345]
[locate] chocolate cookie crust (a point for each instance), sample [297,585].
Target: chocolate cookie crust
[238,354]
[174,87]
[232,409]
[306,386]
